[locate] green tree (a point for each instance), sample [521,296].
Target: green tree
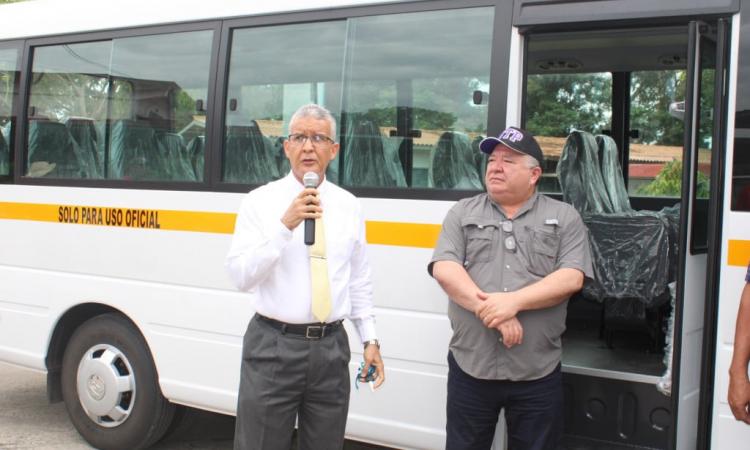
[560,103]
[651,94]
[668,183]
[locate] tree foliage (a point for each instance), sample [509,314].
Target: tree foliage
[668,183]
[558,104]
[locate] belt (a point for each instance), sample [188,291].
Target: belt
[306,330]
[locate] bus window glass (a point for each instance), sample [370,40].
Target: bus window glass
[656,133]
[272,72]
[68,96]
[559,103]
[8,73]
[168,80]
[741,160]
[122,109]
[415,99]
[702,161]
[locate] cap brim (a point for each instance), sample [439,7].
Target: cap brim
[488,144]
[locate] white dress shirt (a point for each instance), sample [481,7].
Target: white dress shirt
[269,259]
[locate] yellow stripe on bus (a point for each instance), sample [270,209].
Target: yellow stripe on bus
[421,235]
[383,233]
[739,253]
[207,222]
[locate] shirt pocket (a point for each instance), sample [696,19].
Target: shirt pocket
[543,247]
[481,235]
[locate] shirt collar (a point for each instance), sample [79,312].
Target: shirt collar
[294,183]
[522,210]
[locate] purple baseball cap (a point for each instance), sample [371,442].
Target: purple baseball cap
[516,139]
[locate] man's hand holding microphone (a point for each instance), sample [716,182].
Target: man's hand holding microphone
[306,206]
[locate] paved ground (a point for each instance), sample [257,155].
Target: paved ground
[28,421]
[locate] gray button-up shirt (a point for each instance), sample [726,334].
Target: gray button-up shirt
[549,235]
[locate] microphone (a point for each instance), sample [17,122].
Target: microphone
[310,180]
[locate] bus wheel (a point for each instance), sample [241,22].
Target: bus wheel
[110,386]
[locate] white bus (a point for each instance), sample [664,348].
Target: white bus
[130,131]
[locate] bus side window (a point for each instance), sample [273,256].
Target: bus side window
[122,103]
[414,76]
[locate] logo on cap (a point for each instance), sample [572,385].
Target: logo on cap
[511,134]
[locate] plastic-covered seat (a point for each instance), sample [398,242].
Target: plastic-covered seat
[282,162]
[580,175]
[173,160]
[368,161]
[247,156]
[133,151]
[480,158]
[612,173]
[453,165]
[52,152]
[4,157]
[83,133]
[633,252]
[196,151]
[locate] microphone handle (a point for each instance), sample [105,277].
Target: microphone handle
[309,231]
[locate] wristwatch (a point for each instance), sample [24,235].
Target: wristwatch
[373,342]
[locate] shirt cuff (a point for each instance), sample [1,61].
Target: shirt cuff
[366,329]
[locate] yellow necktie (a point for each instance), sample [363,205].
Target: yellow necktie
[321,290]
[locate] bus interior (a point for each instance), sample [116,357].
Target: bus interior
[613,141]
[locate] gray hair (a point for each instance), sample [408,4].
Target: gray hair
[531,162]
[316,112]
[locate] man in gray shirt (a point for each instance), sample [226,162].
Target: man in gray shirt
[508,259]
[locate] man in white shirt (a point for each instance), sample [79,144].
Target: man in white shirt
[294,365]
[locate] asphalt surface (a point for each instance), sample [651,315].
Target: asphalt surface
[28,421]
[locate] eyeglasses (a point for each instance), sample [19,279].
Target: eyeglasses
[510,240]
[316,140]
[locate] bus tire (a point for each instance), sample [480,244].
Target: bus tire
[110,386]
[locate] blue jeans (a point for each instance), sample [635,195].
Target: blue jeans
[533,411]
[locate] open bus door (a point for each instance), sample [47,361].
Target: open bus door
[703,142]
[614,355]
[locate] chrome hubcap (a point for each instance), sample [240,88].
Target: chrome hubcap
[106,385]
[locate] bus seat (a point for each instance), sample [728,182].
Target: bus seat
[247,158]
[580,176]
[4,157]
[83,133]
[612,173]
[480,158]
[633,252]
[282,162]
[196,151]
[133,151]
[51,147]
[453,165]
[634,258]
[174,163]
[368,161]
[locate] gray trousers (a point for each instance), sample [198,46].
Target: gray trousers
[286,376]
